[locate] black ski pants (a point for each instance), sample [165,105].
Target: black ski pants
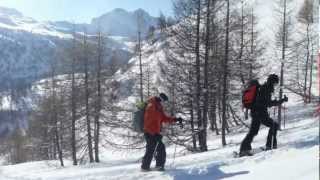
[259,117]
[155,147]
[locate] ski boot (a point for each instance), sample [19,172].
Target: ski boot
[245,153]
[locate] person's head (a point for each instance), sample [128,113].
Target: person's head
[273,79]
[163,97]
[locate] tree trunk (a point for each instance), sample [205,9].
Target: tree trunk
[194,140]
[140,65]
[284,35]
[225,79]
[311,74]
[86,84]
[98,102]
[73,106]
[206,84]
[241,46]
[198,84]
[213,87]
[214,126]
[306,68]
[55,116]
[251,49]
[57,142]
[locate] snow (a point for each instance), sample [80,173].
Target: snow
[296,158]
[35,28]
[6,38]
[14,20]
[120,22]
[5,103]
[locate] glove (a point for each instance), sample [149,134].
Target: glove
[179,119]
[285,99]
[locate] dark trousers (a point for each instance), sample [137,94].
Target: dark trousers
[155,147]
[259,117]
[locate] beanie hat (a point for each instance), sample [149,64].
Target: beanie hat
[273,78]
[163,97]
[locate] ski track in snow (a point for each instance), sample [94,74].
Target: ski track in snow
[295,159]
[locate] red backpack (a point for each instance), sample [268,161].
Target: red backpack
[250,93]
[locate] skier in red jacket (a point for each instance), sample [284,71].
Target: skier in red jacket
[154,116]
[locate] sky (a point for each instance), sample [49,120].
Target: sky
[82,11]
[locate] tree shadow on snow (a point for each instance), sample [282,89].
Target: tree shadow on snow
[308,142]
[211,172]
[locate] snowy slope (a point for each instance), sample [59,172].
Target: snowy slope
[27,48]
[14,20]
[296,158]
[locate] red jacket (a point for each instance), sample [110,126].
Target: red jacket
[154,116]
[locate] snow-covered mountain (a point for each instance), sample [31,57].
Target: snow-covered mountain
[10,12]
[21,35]
[28,46]
[117,22]
[13,20]
[120,22]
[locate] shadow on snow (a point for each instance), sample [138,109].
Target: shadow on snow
[211,172]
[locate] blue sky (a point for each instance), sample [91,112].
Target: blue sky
[83,10]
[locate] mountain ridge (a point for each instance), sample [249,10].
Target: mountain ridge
[117,22]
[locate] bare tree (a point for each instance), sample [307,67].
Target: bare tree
[139,50]
[73,104]
[225,77]
[85,51]
[283,41]
[98,99]
[305,16]
[162,22]
[54,112]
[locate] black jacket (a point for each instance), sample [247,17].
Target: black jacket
[263,99]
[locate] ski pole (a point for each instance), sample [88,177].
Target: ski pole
[155,149]
[284,116]
[272,133]
[174,155]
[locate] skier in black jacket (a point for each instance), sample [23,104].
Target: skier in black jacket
[259,114]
